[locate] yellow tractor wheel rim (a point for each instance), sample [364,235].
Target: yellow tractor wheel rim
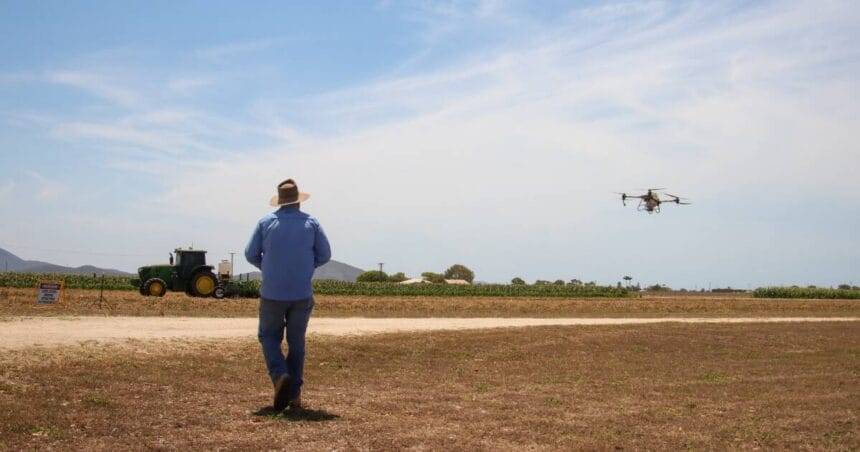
[204,285]
[156,288]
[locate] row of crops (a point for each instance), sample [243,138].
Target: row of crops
[12,279]
[806,292]
[450,290]
[251,289]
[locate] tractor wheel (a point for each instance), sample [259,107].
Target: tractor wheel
[154,287]
[203,284]
[219,293]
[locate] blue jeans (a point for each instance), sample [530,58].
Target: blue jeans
[275,316]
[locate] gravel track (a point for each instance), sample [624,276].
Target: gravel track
[22,332]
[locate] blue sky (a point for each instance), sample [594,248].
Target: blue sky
[489,133]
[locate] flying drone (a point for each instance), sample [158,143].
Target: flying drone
[651,201]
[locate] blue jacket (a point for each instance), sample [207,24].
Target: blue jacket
[287,245]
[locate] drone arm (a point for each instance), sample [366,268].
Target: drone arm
[674,201]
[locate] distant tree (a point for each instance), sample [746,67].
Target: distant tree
[619,284]
[657,287]
[435,278]
[591,284]
[518,281]
[575,282]
[627,279]
[458,271]
[397,277]
[811,286]
[558,282]
[372,276]
[542,282]
[845,286]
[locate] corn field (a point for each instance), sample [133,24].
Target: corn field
[22,280]
[251,289]
[481,290]
[806,292]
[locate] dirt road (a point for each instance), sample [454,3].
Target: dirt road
[20,332]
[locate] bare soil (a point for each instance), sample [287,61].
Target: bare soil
[659,386]
[22,332]
[18,302]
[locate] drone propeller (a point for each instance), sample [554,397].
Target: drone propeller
[674,196]
[651,189]
[623,197]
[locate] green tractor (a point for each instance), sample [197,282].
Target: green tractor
[189,274]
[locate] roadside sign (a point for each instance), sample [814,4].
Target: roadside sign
[49,292]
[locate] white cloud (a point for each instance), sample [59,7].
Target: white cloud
[109,133]
[47,190]
[524,148]
[181,136]
[234,49]
[6,189]
[186,86]
[98,84]
[506,159]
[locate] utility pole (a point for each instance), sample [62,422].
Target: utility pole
[231,263]
[380,265]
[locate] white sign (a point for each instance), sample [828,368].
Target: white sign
[49,292]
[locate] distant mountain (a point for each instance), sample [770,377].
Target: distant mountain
[332,270]
[11,262]
[15,264]
[339,271]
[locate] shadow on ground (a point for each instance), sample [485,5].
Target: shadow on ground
[301,414]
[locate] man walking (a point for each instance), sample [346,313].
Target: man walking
[287,245]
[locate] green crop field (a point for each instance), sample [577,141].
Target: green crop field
[810,292]
[21,280]
[251,289]
[478,290]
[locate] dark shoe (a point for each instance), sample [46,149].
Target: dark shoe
[296,403]
[282,393]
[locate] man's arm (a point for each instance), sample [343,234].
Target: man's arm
[254,250]
[322,249]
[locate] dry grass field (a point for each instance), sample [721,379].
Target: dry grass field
[669,386]
[14,302]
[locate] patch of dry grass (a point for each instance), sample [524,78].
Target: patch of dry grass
[645,387]
[86,302]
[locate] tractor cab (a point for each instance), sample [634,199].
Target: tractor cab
[188,261]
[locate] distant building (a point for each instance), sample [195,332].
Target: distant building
[457,282]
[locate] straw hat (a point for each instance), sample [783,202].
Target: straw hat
[288,193]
